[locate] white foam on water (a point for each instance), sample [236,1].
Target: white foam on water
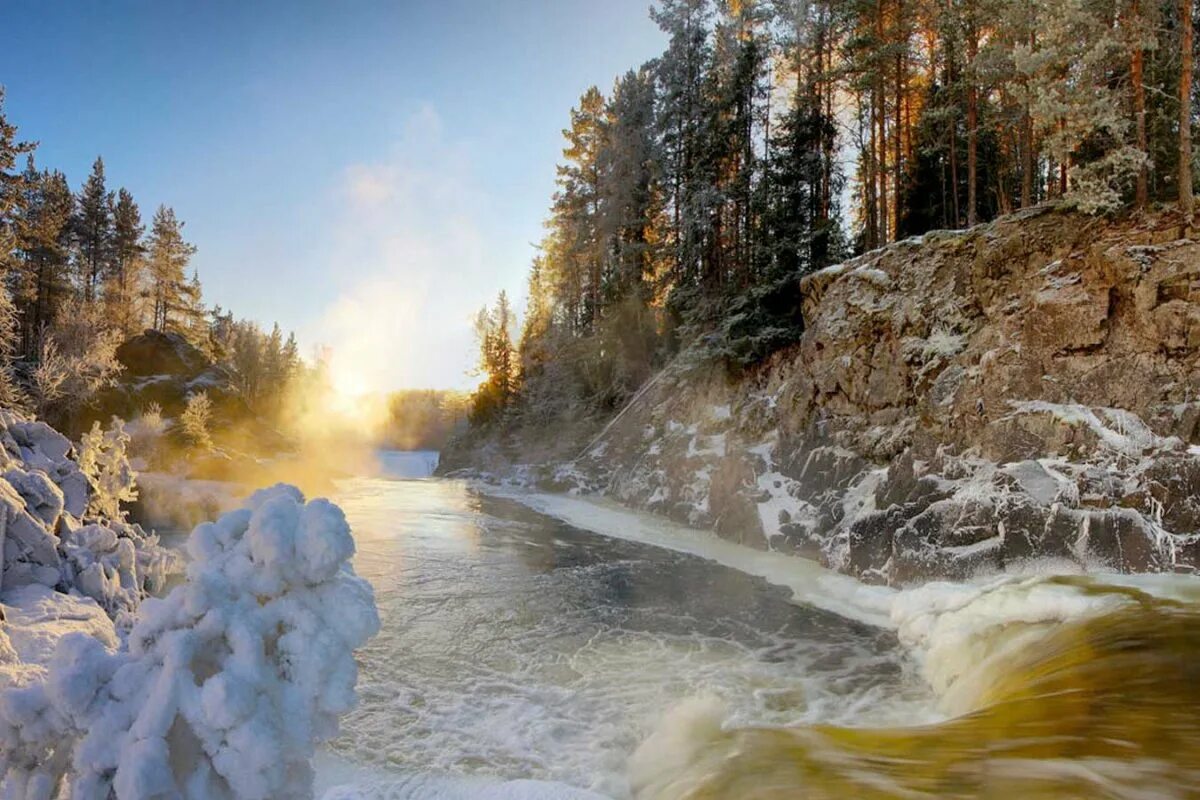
[339,779]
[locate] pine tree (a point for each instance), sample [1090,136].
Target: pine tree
[577,207]
[196,420]
[802,228]
[92,225]
[169,255]
[628,209]
[738,93]
[192,317]
[43,282]
[682,116]
[12,198]
[128,254]
[497,361]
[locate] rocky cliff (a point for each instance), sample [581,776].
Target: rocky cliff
[962,402]
[164,369]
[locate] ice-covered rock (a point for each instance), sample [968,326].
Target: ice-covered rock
[224,687]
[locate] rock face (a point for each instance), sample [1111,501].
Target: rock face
[958,403]
[164,368]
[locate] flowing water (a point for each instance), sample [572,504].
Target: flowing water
[521,657]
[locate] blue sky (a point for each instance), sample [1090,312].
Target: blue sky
[366,173]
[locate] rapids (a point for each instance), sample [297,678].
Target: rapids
[620,656]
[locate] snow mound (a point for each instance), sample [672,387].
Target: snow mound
[225,686]
[61,524]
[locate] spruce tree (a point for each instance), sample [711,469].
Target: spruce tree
[12,198]
[93,230]
[128,252]
[169,255]
[12,186]
[682,116]
[628,212]
[577,207]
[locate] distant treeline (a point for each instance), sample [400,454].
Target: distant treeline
[79,274]
[773,138]
[423,419]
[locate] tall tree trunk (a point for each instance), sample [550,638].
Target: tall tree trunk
[881,116]
[897,183]
[1028,162]
[898,133]
[1186,202]
[951,78]
[1062,165]
[824,107]
[972,124]
[869,185]
[1142,192]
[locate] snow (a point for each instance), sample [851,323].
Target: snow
[943,343]
[720,413]
[1043,482]
[780,502]
[223,688]
[61,524]
[700,446]
[36,618]
[1119,430]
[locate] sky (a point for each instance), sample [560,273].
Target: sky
[367,174]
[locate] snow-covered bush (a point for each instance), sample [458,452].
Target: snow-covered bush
[104,459]
[226,685]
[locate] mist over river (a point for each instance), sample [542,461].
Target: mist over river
[523,657]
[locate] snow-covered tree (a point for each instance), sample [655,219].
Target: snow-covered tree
[196,420]
[1078,113]
[226,685]
[104,459]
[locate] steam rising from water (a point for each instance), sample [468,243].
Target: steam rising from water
[415,257]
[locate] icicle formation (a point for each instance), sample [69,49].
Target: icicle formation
[227,684]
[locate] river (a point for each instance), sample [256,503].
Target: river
[521,656]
